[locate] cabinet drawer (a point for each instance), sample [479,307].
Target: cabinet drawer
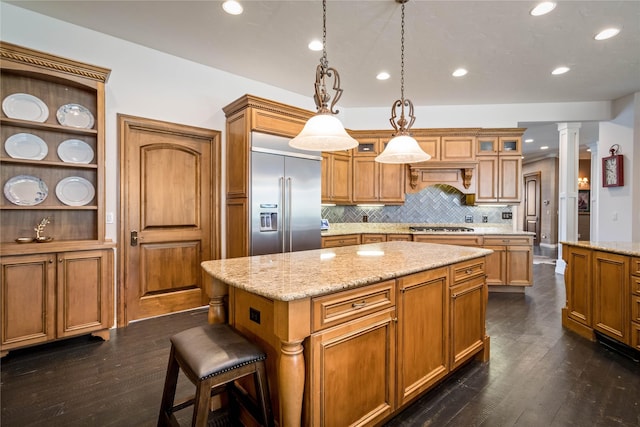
[635,266]
[373,238]
[398,237]
[635,285]
[468,269]
[448,239]
[507,240]
[635,335]
[330,310]
[635,309]
[337,241]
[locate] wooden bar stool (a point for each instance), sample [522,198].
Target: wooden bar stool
[213,357]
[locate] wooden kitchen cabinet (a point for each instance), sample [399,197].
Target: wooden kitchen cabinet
[373,238]
[423,338]
[448,148]
[337,177]
[577,278]
[499,169]
[375,182]
[635,303]
[512,260]
[341,240]
[468,297]
[62,287]
[399,237]
[55,295]
[611,293]
[345,387]
[464,240]
[603,294]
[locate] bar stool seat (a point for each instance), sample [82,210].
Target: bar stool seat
[213,357]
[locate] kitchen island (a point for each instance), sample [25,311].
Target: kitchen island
[354,334]
[602,281]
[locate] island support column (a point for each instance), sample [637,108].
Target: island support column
[292,325]
[217,291]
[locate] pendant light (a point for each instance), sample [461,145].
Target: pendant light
[324,131]
[402,148]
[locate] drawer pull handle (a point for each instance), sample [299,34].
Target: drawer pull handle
[358,305]
[469,270]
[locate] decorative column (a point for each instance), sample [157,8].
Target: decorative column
[567,187]
[594,192]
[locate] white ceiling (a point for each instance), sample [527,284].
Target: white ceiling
[509,53]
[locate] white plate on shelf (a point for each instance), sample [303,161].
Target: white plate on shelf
[25,190]
[26,146]
[75,151]
[75,116]
[75,191]
[25,107]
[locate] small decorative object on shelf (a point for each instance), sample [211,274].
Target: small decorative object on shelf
[40,228]
[612,168]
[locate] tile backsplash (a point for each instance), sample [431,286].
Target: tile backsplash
[435,204]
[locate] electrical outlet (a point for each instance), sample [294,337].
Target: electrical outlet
[468,218]
[109,217]
[485,218]
[507,215]
[254,315]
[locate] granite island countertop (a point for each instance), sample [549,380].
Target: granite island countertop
[298,275]
[339,229]
[623,248]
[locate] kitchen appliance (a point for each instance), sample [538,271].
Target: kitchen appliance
[442,229]
[284,196]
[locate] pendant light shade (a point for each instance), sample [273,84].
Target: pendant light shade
[324,131]
[402,148]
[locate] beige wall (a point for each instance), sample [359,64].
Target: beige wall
[548,169]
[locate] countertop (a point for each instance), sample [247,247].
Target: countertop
[298,275]
[339,229]
[623,248]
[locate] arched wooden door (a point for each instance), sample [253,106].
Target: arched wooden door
[169,195]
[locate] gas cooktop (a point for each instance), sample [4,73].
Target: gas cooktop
[442,229]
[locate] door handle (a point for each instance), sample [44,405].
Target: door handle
[134,238]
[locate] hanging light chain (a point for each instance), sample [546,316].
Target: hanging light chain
[323,60]
[402,55]
[323,71]
[401,124]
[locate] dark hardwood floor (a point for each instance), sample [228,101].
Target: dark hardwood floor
[538,375]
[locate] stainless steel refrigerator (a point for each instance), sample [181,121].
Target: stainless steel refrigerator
[284,195]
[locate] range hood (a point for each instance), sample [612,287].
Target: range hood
[461,176]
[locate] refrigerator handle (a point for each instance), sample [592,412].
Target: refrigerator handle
[282,213]
[290,210]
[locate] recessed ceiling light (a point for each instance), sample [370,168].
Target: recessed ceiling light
[459,72]
[560,70]
[528,140]
[383,75]
[607,34]
[544,147]
[315,45]
[232,7]
[543,8]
